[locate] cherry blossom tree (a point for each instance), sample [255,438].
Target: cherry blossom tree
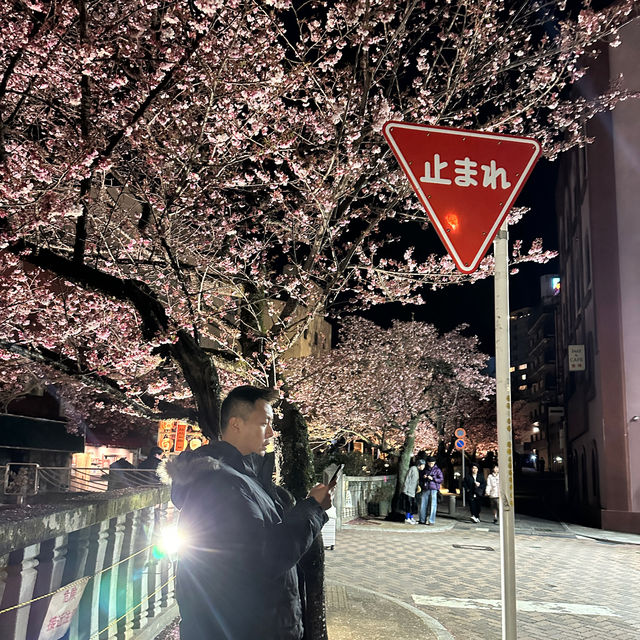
[397,388]
[183,185]
[478,418]
[202,178]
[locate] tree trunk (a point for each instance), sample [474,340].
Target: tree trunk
[295,461]
[202,377]
[296,470]
[315,612]
[403,463]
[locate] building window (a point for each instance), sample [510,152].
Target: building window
[522,367]
[524,376]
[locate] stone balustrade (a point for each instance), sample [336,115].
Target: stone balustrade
[107,538]
[358,491]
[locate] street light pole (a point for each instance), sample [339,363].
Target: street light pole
[505,453]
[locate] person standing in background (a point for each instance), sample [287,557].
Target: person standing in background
[430,480]
[493,491]
[474,484]
[409,489]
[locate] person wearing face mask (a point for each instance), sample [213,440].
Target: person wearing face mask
[493,491]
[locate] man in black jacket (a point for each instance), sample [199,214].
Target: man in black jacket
[237,578]
[474,484]
[151,463]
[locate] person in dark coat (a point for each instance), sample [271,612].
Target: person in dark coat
[120,474]
[430,480]
[151,463]
[236,576]
[474,484]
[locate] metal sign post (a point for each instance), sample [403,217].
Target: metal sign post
[467,181]
[505,441]
[462,491]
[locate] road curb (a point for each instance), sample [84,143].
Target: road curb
[440,632]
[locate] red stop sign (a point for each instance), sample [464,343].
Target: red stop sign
[467,181]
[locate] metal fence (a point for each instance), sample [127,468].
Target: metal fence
[28,479]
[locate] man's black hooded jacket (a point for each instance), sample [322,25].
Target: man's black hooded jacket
[236,578]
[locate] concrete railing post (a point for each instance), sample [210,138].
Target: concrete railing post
[109,582]
[51,562]
[20,584]
[89,613]
[125,601]
[140,580]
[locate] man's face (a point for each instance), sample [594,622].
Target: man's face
[430,463]
[254,430]
[474,470]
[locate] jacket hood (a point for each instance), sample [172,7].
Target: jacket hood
[186,468]
[191,466]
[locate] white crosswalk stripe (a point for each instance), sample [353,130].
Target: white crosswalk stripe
[523,605]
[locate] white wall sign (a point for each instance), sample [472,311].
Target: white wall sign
[576,357]
[62,608]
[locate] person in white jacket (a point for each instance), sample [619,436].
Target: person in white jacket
[409,490]
[493,491]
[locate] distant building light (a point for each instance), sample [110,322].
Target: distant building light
[536,424]
[522,367]
[558,458]
[512,369]
[524,376]
[522,387]
[536,429]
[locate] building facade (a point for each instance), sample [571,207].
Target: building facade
[598,203]
[534,376]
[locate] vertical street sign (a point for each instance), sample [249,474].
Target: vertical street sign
[467,181]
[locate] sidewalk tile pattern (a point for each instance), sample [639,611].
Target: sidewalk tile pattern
[549,568]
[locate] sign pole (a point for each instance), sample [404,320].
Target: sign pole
[462,483]
[505,452]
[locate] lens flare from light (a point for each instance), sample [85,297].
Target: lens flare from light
[170,542]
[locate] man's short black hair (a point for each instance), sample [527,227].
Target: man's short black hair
[155,451]
[241,401]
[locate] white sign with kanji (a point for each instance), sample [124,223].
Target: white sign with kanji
[62,607]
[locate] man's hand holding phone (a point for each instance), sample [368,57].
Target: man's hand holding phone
[322,492]
[322,495]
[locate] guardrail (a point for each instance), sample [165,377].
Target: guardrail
[358,491]
[92,567]
[28,479]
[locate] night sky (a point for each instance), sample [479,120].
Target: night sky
[473,303]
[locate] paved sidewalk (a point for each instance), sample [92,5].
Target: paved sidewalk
[394,581]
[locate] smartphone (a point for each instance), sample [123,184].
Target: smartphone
[335,475]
